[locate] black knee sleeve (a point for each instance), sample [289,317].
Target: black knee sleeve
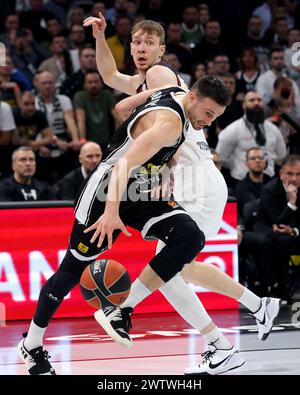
[183,244]
[57,287]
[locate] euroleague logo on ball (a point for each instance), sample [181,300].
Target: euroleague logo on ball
[97,267]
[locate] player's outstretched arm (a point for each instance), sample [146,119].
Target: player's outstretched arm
[105,61]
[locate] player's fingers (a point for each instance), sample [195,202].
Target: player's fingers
[94,226]
[125,231]
[88,21]
[109,240]
[95,235]
[101,238]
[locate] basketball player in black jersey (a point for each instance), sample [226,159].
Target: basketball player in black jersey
[148,139]
[147,48]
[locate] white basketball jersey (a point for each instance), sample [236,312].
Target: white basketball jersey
[195,148]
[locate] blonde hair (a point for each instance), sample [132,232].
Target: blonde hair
[150,27]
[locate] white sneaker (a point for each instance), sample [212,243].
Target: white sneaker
[217,361]
[36,360]
[267,313]
[116,322]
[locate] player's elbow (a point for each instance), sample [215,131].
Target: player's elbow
[122,111]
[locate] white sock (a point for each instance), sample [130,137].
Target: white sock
[185,301]
[35,336]
[138,292]
[250,300]
[216,338]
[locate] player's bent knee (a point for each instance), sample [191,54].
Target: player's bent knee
[184,243]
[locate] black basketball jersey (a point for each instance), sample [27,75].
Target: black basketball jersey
[121,140]
[145,177]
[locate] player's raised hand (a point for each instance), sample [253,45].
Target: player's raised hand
[105,226]
[98,24]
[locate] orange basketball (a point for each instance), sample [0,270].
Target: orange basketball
[105,282]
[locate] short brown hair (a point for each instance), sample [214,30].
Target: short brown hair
[213,88]
[150,27]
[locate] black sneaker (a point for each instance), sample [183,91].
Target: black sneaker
[36,360]
[116,322]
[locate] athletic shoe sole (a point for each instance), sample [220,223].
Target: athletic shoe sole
[102,320]
[274,315]
[21,356]
[225,370]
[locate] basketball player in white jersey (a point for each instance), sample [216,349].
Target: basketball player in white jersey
[207,207]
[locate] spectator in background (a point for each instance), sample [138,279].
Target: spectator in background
[7,127]
[94,108]
[175,45]
[255,262]
[76,41]
[11,25]
[250,187]
[26,55]
[59,65]
[221,64]
[22,186]
[191,31]
[74,83]
[278,34]
[203,15]
[59,8]
[118,9]
[119,44]
[248,73]
[54,28]
[279,219]
[89,158]
[293,72]
[235,110]
[155,10]
[255,39]
[10,89]
[75,16]
[172,60]
[265,13]
[250,130]
[285,112]
[198,70]
[211,44]
[35,19]
[59,159]
[32,127]
[265,82]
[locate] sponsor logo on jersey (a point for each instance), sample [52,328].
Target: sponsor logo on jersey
[83,248]
[172,204]
[203,145]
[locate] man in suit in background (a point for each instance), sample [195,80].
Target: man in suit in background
[279,218]
[89,158]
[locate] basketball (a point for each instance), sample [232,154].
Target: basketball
[105,282]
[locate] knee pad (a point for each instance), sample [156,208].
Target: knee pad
[59,285]
[183,244]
